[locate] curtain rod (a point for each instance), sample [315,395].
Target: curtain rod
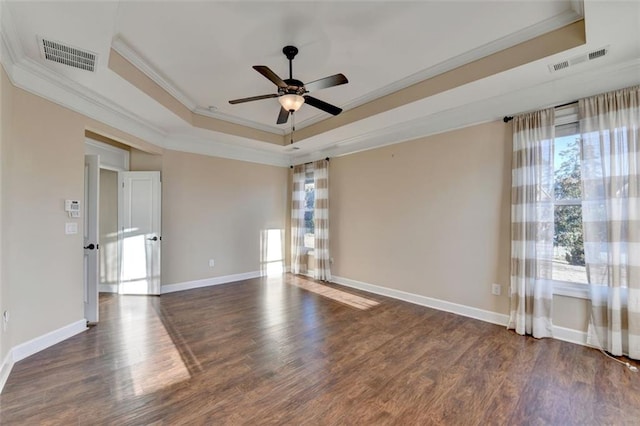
[508,118]
[291,167]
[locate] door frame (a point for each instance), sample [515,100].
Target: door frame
[91,237]
[114,159]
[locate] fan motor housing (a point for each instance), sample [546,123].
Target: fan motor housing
[294,87]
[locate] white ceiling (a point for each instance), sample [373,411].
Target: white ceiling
[202,53]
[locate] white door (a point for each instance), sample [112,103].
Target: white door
[139,203]
[91,243]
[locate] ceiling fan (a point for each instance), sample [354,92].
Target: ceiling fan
[292,93]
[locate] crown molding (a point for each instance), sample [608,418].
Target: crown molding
[569,16]
[225,149]
[573,86]
[11,46]
[531,32]
[5,57]
[34,78]
[29,75]
[578,7]
[42,81]
[124,49]
[127,52]
[39,80]
[240,121]
[578,86]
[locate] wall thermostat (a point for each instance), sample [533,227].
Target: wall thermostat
[72,207]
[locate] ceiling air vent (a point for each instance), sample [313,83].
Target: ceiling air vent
[67,55]
[560,65]
[597,54]
[579,59]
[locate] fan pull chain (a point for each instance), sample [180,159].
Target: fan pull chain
[293,124]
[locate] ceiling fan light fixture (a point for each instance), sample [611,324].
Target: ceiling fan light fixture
[291,102]
[291,91]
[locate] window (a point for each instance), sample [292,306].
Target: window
[568,245]
[309,226]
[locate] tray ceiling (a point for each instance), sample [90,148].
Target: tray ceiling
[174,65]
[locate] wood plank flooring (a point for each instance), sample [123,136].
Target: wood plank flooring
[269,351]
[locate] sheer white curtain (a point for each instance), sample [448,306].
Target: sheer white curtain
[610,127]
[532,223]
[298,258]
[321,220]
[318,171]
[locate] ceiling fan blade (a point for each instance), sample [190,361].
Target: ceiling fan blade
[253,98]
[283,116]
[323,83]
[266,71]
[315,102]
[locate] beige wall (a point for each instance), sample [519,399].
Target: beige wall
[228,204]
[430,217]
[5,123]
[214,208]
[108,227]
[43,165]
[287,234]
[140,161]
[571,313]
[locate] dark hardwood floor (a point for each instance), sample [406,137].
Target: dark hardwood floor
[274,351]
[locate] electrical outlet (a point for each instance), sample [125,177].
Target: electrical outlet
[496,289]
[212,263]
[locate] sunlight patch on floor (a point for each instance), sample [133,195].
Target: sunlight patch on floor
[150,357]
[352,300]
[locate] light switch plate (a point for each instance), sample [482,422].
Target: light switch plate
[71,228]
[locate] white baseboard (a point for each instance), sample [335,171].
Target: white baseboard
[37,344]
[170,288]
[570,335]
[32,346]
[441,305]
[108,288]
[560,333]
[5,369]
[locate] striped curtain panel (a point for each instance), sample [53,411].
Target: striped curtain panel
[532,224]
[321,220]
[298,253]
[610,127]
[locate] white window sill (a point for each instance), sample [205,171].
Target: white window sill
[569,289]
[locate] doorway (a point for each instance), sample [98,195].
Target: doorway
[115,209]
[108,232]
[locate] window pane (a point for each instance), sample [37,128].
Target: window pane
[309,225]
[566,165]
[568,259]
[308,222]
